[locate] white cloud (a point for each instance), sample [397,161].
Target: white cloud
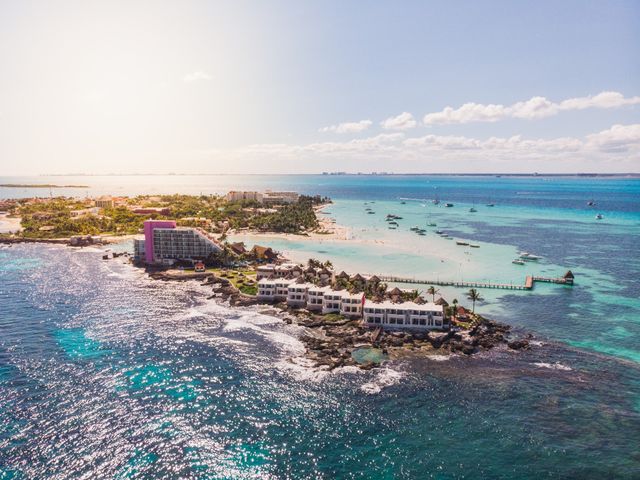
[617,139]
[197,76]
[404,121]
[348,127]
[613,149]
[535,107]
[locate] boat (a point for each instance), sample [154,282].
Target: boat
[591,203]
[421,234]
[491,204]
[448,205]
[415,229]
[599,216]
[517,261]
[529,257]
[393,223]
[403,202]
[460,242]
[391,227]
[439,232]
[473,245]
[371,212]
[447,237]
[431,224]
[472,210]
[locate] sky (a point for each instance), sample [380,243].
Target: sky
[310,86]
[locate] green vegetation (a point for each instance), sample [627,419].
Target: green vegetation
[52,218]
[432,291]
[474,296]
[292,218]
[333,317]
[243,280]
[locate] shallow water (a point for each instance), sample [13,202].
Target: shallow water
[107,374]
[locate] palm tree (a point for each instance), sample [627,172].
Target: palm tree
[432,291]
[411,295]
[474,296]
[328,265]
[454,307]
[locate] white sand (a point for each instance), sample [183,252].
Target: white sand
[9,224]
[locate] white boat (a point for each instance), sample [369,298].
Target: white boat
[517,261]
[529,257]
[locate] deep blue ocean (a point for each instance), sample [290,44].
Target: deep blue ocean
[107,374]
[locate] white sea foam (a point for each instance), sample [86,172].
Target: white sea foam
[302,369]
[385,377]
[439,358]
[553,366]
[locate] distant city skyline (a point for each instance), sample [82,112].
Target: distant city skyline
[304,87]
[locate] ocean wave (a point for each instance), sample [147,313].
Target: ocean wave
[385,377]
[439,358]
[553,366]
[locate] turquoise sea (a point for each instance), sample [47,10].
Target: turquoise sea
[107,374]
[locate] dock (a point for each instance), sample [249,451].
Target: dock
[529,282]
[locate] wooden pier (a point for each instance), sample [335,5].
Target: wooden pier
[528,283]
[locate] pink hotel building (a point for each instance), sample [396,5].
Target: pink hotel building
[164,243]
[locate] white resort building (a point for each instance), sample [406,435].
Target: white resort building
[388,315]
[404,315]
[297,294]
[278,271]
[315,297]
[266,290]
[331,302]
[351,304]
[282,288]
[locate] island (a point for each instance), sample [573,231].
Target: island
[347,319]
[39,185]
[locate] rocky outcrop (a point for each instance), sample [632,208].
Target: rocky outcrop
[518,345]
[330,342]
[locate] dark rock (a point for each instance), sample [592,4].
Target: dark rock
[518,344]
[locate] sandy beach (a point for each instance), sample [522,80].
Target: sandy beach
[9,224]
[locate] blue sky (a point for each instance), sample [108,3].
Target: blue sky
[291,86]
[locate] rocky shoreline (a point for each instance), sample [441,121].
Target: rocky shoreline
[331,342]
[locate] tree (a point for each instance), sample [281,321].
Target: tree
[411,295]
[474,296]
[432,291]
[328,265]
[454,304]
[313,263]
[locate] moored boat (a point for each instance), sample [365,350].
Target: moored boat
[517,261]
